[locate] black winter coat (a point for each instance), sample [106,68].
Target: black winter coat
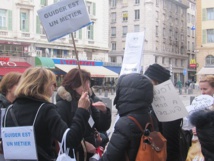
[134,95]
[49,124]
[204,122]
[102,121]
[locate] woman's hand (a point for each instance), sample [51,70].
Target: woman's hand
[84,101]
[100,105]
[90,148]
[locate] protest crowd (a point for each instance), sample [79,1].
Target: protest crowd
[76,126]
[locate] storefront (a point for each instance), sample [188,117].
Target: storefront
[6,66]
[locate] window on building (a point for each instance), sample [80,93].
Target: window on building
[164,32]
[91,8]
[210,13]
[163,60]
[210,60]
[137,1]
[113,46]
[157,15]
[188,18]
[157,3]
[170,60]
[182,63]
[137,14]
[156,30]
[193,46]
[125,30]
[210,35]
[176,62]
[125,2]
[156,59]
[44,2]
[113,31]
[113,17]
[136,28]
[188,45]
[113,3]
[113,59]
[90,30]
[125,16]
[24,21]
[3,19]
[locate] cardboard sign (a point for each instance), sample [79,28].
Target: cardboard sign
[200,102]
[19,143]
[133,53]
[166,103]
[63,17]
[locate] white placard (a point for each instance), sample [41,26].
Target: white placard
[200,102]
[19,143]
[63,17]
[167,104]
[133,53]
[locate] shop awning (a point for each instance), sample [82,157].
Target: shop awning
[114,69]
[96,71]
[205,71]
[14,67]
[44,62]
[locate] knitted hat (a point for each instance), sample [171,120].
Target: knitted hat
[157,73]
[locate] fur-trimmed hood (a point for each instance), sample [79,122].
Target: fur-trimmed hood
[202,118]
[63,94]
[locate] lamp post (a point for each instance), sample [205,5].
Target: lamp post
[171,73]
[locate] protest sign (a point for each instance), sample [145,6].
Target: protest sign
[200,102]
[133,53]
[63,17]
[19,143]
[166,103]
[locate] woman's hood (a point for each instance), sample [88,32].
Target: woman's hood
[133,92]
[62,93]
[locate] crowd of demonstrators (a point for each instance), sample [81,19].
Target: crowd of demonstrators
[134,95]
[7,87]
[34,90]
[100,115]
[170,130]
[203,120]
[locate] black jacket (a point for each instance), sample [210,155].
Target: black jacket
[204,122]
[134,95]
[4,103]
[67,109]
[49,124]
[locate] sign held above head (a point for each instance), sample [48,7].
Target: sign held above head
[63,17]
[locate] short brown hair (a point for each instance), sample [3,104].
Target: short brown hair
[72,78]
[209,79]
[8,81]
[35,82]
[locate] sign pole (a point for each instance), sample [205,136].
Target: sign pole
[78,63]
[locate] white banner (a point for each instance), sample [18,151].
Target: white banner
[63,17]
[133,53]
[166,103]
[19,143]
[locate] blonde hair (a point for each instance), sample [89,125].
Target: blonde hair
[8,81]
[209,79]
[35,82]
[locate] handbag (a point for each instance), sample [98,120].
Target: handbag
[63,151]
[152,144]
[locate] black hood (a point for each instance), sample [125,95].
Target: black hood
[133,92]
[3,101]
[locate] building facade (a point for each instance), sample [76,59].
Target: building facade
[191,40]
[22,35]
[205,34]
[164,23]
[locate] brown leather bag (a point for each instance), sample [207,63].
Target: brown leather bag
[152,145]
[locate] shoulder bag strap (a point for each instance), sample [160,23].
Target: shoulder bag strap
[37,113]
[136,122]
